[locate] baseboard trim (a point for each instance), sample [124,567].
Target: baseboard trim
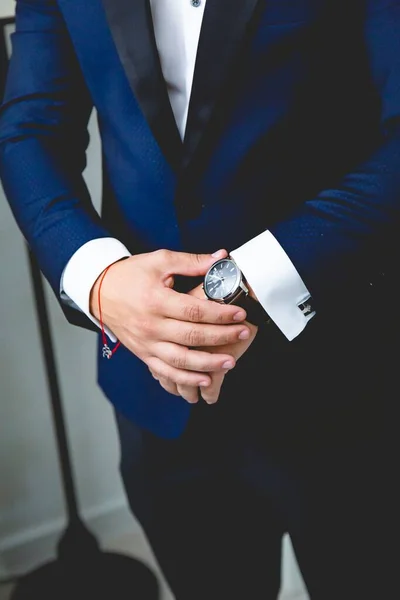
[28,549]
[35,546]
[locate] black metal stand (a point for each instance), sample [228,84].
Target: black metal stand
[81,571]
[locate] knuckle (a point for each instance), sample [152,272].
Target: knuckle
[194,338]
[220,317]
[196,259]
[161,252]
[193,313]
[164,254]
[179,361]
[216,339]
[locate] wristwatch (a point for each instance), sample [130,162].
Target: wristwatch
[224,282]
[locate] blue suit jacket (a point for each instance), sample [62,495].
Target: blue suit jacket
[294,125]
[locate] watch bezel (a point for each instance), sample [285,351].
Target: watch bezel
[238,283]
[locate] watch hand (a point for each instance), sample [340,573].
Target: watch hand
[217,283]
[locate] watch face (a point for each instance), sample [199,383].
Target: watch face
[222,279]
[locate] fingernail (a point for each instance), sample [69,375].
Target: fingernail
[228,365]
[240,316]
[204,383]
[218,254]
[244,335]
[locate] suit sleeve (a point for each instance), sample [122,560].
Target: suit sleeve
[43,142]
[338,234]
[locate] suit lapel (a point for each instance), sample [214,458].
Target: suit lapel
[132,29]
[223,33]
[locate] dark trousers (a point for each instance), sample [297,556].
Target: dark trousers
[216,502]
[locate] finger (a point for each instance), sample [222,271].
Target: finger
[171,388]
[188,393]
[185,263]
[169,282]
[154,375]
[188,359]
[184,307]
[194,335]
[212,392]
[177,376]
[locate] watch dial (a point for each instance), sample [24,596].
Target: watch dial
[222,279]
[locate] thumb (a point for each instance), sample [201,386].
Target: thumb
[194,265]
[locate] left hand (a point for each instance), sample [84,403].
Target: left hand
[210,393]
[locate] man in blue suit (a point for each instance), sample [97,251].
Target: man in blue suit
[253,386]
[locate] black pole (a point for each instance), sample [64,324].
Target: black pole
[47,344]
[81,570]
[54,388]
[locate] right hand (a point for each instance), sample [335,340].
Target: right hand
[161,326]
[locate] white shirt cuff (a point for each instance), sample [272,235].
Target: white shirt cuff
[275,281]
[84,268]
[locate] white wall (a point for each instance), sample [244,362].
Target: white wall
[31,503]
[6,8]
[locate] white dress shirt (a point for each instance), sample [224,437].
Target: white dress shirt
[268,269]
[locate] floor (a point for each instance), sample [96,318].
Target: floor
[5,592]
[136,545]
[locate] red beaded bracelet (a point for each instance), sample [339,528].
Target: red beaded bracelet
[107,351]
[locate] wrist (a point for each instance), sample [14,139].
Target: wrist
[94,292]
